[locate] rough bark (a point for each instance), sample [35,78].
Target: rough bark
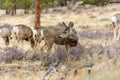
[65,3]
[12,12]
[15,9]
[7,11]
[26,11]
[37,14]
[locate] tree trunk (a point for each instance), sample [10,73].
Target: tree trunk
[15,9]
[37,14]
[12,12]
[25,11]
[65,3]
[7,11]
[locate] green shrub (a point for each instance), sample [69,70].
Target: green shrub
[95,2]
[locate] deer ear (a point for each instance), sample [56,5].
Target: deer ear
[64,24]
[71,24]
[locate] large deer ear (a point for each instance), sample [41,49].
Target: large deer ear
[71,24]
[64,24]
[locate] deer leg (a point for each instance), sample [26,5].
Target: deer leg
[68,48]
[49,48]
[38,41]
[115,33]
[42,49]
[118,35]
[6,39]
[32,42]
[18,39]
[35,42]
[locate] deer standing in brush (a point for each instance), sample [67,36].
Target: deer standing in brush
[23,32]
[61,35]
[5,33]
[115,21]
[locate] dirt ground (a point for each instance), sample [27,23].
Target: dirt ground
[95,33]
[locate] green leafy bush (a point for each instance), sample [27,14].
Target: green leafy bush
[95,2]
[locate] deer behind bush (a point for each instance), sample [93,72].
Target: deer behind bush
[116,25]
[61,35]
[23,32]
[5,33]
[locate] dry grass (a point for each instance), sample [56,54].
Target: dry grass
[95,32]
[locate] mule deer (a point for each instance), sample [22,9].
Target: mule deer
[39,35]
[116,26]
[23,32]
[65,35]
[5,33]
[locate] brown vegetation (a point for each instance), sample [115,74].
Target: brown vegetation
[96,47]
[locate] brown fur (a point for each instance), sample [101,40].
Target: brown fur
[52,35]
[5,34]
[24,33]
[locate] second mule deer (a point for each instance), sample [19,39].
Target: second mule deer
[5,33]
[65,35]
[115,21]
[23,32]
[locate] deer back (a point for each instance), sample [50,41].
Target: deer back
[23,31]
[5,31]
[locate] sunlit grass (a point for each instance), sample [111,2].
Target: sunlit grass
[96,18]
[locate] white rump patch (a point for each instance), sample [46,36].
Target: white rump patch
[42,34]
[0,30]
[114,19]
[15,30]
[34,33]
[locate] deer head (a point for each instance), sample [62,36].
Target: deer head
[69,30]
[69,35]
